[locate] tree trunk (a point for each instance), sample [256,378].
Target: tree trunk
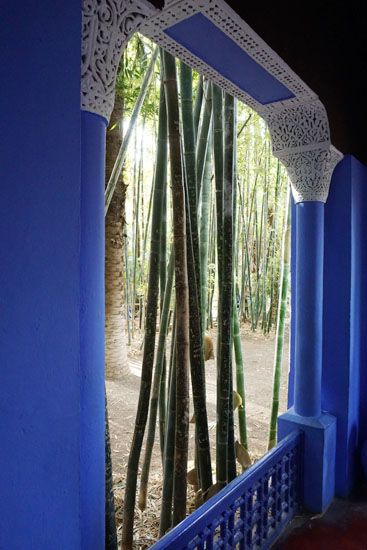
[115,346]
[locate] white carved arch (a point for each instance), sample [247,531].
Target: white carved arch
[298,126]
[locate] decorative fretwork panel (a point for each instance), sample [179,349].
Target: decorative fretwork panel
[107,26]
[252,511]
[298,125]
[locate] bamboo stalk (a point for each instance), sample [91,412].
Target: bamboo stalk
[156,386]
[198,104]
[162,281]
[224,453]
[169,443]
[204,236]
[182,294]
[149,341]
[282,308]
[193,267]
[202,139]
[112,182]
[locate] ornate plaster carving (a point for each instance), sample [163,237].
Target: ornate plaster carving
[301,140]
[106,27]
[298,126]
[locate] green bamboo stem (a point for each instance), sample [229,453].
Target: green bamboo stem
[193,267]
[218,170]
[149,341]
[198,104]
[190,161]
[137,185]
[182,292]
[169,443]
[197,369]
[231,453]
[274,239]
[202,139]
[112,182]
[156,386]
[162,282]
[240,383]
[204,236]
[282,309]
[127,293]
[236,333]
[224,453]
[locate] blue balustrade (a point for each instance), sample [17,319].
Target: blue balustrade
[252,511]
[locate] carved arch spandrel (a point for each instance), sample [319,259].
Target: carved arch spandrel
[298,126]
[107,25]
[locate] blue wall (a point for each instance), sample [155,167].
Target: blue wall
[344,360]
[41,398]
[345,316]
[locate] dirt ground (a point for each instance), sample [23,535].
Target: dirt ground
[123,395]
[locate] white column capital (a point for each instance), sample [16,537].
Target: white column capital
[301,141]
[107,25]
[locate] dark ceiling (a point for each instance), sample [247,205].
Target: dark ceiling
[325,44]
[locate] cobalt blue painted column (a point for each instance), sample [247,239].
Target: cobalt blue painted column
[92,456]
[106,27]
[301,140]
[309,292]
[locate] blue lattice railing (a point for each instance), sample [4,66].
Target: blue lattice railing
[252,511]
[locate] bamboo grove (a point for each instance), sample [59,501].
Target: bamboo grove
[206,248]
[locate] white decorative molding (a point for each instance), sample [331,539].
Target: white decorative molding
[298,126]
[106,27]
[310,172]
[301,141]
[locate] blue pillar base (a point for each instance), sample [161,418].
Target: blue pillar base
[318,456]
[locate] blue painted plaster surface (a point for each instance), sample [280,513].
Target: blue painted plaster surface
[92,456]
[204,39]
[344,353]
[319,451]
[359,280]
[308,304]
[292,343]
[46,460]
[344,376]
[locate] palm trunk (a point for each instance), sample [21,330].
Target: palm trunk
[115,339]
[282,309]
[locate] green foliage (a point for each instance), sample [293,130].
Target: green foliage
[133,65]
